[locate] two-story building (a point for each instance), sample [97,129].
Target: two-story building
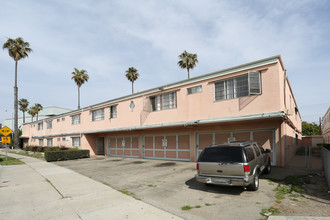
[253,101]
[326,127]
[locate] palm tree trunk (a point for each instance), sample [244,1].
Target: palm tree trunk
[78,97]
[188,73]
[23,117]
[132,88]
[16,109]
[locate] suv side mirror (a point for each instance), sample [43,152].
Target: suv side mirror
[268,151]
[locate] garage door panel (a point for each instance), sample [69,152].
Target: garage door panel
[135,153]
[159,154]
[159,142]
[242,136]
[148,142]
[171,142]
[221,137]
[123,146]
[205,140]
[135,143]
[184,154]
[149,153]
[170,154]
[265,139]
[112,151]
[183,142]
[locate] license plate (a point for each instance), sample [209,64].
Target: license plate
[217,180]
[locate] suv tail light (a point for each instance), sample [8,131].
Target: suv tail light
[247,168]
[197,166]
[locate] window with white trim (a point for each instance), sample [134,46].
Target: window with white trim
[75,119]
[40,126]
[63,139]
[113,111]
[240,86]
[195,89]
[163,101]
[63,119]
[49,124]
[58,120]
[98,115]
[50,142]
[41,142]
[75,141]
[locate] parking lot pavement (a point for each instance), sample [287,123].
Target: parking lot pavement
[41,190]
[170,185]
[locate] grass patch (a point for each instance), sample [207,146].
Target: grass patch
[150,185]
[126,192]
[9,161]
[281,191]
[208,204]
[278,201]
[270,211]
[186,207]
[197,206]
[258,203]
[270,182]
[37,155]
[107,184]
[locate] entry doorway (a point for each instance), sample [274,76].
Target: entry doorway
[100,145]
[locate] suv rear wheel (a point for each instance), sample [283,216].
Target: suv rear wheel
[255,184]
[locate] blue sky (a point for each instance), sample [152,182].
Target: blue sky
[107,37]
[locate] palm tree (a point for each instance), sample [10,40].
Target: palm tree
[132,75]
[38,108]
[23,106]
[187,61]
[32,111]
[79,77]
[17,49]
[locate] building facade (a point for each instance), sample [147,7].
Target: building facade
[326,127]
[177,121]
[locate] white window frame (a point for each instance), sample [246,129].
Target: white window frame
[40,126]
[49,142]
[41,142]
[163,101]
[195,89]
[99,117]
[75,119]
[113,111]
[76,142]
[49,124]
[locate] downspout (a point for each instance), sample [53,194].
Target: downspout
[285,77]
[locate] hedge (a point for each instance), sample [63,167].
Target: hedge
[66,155]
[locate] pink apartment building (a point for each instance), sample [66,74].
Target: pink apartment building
[253,101]
[326,127]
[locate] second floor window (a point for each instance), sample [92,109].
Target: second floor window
[240,86]
[163,101]
[75,119]
[195,89]
[40,126]
[49,124]
[113,111]
[98,115]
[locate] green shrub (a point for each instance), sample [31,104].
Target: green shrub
[66,155]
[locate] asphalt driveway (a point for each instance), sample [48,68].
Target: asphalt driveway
[171,186]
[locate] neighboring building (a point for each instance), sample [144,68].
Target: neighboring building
[177,121]
[326,127]
[45,113]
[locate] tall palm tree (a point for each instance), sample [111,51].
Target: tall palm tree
[32,111]
[187,61]
[132,75]
[23,106]
[79,77]
[17,49]
[38,108]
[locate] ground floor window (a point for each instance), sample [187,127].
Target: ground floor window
[50,142]
[76,141]
[41,142]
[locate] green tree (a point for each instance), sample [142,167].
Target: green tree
[79,77]
[132,75]
[187,61]
[309,129]
[32,111]
[38,108]
[17,49]
[23,107]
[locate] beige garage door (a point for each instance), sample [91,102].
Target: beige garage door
[166,147]
[265,137]
[124,146]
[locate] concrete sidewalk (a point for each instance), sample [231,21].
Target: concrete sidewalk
[41,190]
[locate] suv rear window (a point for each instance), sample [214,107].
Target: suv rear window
[222,154]
[249,153]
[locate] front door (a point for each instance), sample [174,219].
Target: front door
[100,145]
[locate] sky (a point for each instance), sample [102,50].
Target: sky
[106,37]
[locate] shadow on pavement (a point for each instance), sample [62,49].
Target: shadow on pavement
[230,190]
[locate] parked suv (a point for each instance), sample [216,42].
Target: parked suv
[236,163]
